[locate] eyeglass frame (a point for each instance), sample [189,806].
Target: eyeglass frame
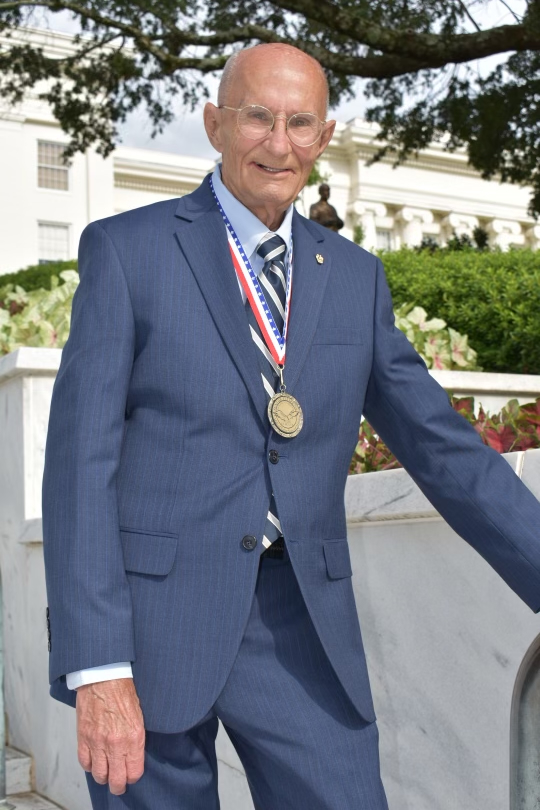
[275,118]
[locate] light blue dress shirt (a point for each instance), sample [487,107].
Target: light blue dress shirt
[250,231]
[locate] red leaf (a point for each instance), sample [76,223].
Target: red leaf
[500,438]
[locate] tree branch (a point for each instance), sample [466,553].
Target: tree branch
[403,51]
[431,49]
[469,15]
[511,10]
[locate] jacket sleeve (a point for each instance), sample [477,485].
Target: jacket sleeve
[471,485]
[89,596]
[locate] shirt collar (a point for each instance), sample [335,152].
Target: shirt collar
[249,229]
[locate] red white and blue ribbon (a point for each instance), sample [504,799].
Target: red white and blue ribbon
[250,283]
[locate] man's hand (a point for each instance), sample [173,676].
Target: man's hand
[110,732]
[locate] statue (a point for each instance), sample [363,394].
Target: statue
[324,213]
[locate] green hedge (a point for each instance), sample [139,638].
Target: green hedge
[494,298]
[37,276]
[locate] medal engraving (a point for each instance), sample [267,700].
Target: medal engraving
[285,415]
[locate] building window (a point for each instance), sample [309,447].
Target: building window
[52,171]
[385,239]
[53,242]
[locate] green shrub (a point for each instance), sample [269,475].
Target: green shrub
[492,297]
[36,277]
[43,317]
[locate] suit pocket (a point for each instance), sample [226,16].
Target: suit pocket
[338,560]
[148,553]
[338,335]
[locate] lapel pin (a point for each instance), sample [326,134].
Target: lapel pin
[320,259]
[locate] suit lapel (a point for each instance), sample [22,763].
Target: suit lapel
[202,238]
[309,283]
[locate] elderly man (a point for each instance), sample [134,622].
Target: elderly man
[222,351]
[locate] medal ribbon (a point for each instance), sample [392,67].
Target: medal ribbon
[275,342]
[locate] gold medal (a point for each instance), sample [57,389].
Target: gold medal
[285,415]
[284,412]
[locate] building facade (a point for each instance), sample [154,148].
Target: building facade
[45,205]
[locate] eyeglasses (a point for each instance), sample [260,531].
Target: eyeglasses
[255,122]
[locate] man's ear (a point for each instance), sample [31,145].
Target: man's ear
[212,125]
[326,137]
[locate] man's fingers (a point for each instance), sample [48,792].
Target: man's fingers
[100,767]
[135,758]
[117,775]
[84,755]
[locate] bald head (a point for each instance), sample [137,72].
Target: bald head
[266,168]
[259,57]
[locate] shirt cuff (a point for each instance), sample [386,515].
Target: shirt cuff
[107,672]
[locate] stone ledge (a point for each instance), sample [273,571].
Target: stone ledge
[393,495]
[30,362]
[371,498]
[31,801]
[18,771]
[461,382]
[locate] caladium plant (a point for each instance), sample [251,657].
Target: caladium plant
[42,318]
[37,318]
[516,427]
[439,345]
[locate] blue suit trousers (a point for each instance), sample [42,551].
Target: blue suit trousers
[301,741]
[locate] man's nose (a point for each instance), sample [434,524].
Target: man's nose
[278,141]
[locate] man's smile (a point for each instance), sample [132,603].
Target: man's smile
[271,169]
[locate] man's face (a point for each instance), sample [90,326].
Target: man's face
[269,173]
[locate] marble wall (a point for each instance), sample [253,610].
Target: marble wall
[444,636]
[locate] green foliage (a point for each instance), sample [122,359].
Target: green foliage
[36,277]
[492,297]
[42,318]
[316,177]
[516,427]
[479,241]
[420,56]
[439,345]
[461,242]
[39,317]
[358,234]
[481,238]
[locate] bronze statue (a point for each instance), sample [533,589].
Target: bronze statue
[324,213]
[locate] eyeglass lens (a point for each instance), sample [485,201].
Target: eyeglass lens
[256,122]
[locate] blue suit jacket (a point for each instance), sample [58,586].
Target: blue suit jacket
[157,455]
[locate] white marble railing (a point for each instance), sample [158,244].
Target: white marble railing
[444,635]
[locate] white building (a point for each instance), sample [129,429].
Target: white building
[44,205]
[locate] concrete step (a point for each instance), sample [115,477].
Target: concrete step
[19,783]
[18,771]
[31,801]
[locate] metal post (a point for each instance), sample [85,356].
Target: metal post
[4,804]
[524,736]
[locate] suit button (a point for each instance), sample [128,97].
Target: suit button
[249,542]
[273,455]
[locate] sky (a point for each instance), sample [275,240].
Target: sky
[186,135]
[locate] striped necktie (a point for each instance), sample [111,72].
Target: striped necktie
[272,249]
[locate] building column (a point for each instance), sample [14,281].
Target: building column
[532,237]
[413,224]
[505,233]
[459,224]
[366,214]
